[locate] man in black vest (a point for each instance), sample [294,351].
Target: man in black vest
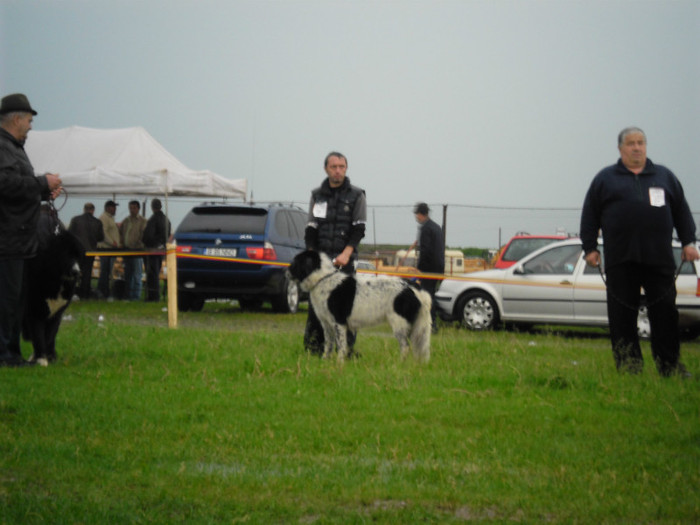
[337,221]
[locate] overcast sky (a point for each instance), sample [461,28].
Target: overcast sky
[480,105]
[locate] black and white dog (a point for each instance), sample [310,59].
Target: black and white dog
[345,302]
[52,278]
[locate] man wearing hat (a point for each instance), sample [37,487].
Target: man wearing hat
[88,229]
[21,193]
[431,251]
[110,242]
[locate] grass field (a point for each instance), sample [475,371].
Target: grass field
[228,420]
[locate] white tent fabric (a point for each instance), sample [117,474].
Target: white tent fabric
[125,161]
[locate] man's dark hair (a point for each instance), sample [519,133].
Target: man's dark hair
[156,204]
[137,203]
[334,154]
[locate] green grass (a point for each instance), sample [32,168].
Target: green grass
[228,420]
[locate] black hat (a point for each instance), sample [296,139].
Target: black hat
[421,208]
[111,203]
[16,102]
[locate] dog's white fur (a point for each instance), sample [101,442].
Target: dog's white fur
[373,304]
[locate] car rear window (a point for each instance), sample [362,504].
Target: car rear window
[519,248]
[224,220]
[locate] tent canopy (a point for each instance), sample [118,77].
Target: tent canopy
[121,161]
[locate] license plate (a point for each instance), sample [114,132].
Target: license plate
[221,252]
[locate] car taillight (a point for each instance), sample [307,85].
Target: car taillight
[697,290]
[184,249]
[261,253]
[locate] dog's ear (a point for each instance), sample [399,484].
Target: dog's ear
[312,262]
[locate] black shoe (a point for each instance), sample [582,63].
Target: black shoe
[14,362]
[682,372]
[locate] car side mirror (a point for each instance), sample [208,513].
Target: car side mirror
[519,270]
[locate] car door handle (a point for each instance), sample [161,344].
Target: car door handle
[566,282]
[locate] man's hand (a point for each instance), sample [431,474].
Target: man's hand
[54,181]
[690,253]
[343,258]
[55,193]
[593,258]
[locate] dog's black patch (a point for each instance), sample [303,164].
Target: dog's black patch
[304,264]
[341,299]
[52,277]
[407,305]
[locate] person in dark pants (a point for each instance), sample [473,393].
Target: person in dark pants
[111,242]
[431,252]
[155,236]
[637,204]
[337,222]
[21,193]
[89,230]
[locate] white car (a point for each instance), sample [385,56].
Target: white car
[552,285]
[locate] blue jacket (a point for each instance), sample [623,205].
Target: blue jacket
[637,215]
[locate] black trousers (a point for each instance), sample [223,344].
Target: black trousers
[153,265]
[12,291]
[623,284]
[84,291]
[430,286]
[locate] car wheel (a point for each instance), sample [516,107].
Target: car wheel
[478,311]
[643,325]
[197,303]
[288,300]
[184,301]
[690,333]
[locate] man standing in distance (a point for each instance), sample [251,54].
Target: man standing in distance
[637,204]
[431,252]
[131,231]
[110,242]
[337,221]
[155,236]
[20,199]
[90,231]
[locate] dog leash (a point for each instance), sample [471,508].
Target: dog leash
[658,299]
[53,214]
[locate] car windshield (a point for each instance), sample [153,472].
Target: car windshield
[519,248]
[235,220]
[559,260]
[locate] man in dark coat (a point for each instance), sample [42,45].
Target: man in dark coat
[88,229]
[637,204]
[431,252]
[21,193]
[155,236]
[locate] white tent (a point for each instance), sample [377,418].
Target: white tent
[125,161]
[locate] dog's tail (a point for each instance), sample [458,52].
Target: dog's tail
[422,327]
